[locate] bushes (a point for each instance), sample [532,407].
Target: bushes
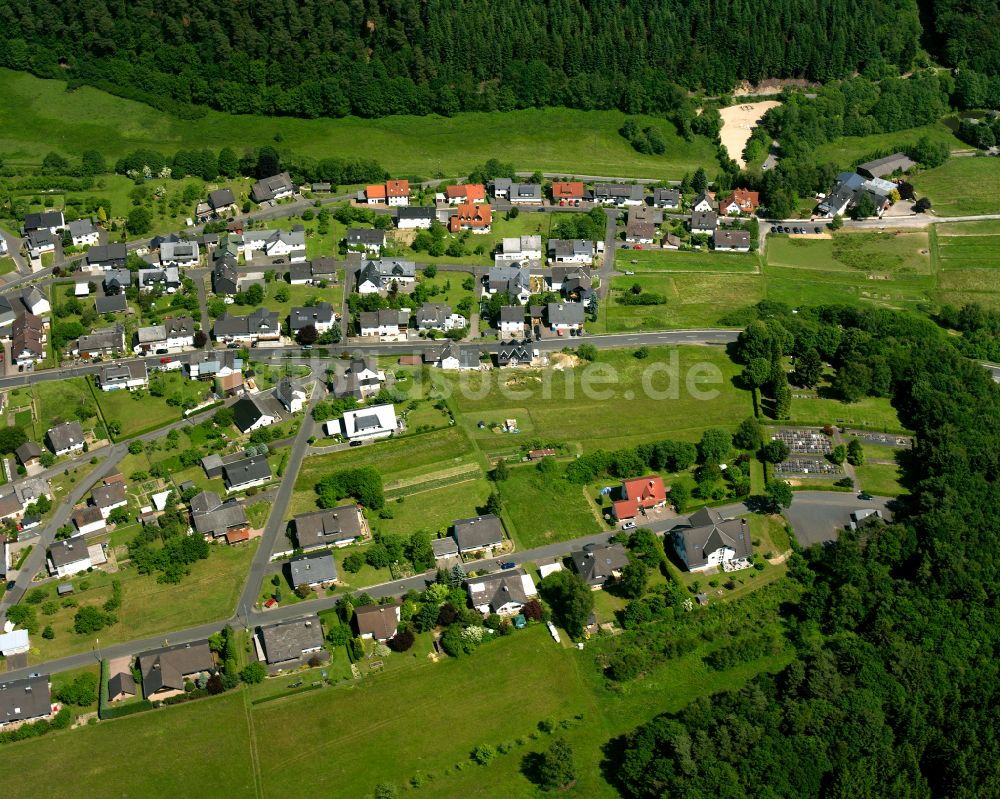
[364,484]
[744,650]
[81,692]
[90,619]
[61,721]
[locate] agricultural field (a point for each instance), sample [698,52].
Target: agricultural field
[968,256]
[39,115]
[961,186]
[686,261]
[894,253]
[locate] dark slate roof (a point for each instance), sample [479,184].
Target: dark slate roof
[24,699]
[211,516]
[246,412]
[122,683]
[478,532]
[107,253]
[694,544]
[166,668]
[65,435]
[114,303]
[299,318]
[496,590]
[565,313]
[379,621]
[67,551]
[309,569]
[27,451]
[327,527]
[221,198]
[247,470]
[43,219]
[289,640]
[595,564]
[417,212]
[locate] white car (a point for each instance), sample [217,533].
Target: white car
[628,525]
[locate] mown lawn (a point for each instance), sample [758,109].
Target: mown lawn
[436,509]
[865,252]
[59,401]
[870,413]
[961,186]
[685,261]
[845,151]
[881,479]
[41,115]
[141,411]
[567,513]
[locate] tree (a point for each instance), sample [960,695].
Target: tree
[642,353]
[307,335]
[11,438]
[679,496]
[81,692]
[587,352]
[715,445]
[200,338]
[922,205]
[838,454]
[90,619]
[229,163]
[135,447]
[778,493]
[23,616]
[571,600]
[419,551]
[139,221]
[632,583]
[92,163]
[837,222]
[699,183]
[493,504]
[253,673]
[775,451]
[281,294]
[808,368]
[864,208]
[556,767]
[749,435]
[855,452]
[500,471]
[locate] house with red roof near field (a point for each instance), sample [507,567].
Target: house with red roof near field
[567,191]
[469,216]
[375,194]
[465,193]
[639,493]
[741,201]
[397,192]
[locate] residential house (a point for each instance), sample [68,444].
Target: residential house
[368,424]
[848,189]
[416,216]
[702,203]
[317,570]
[379,276]
[480,534]
[106,256]
[214,364]
[640,232]
[598,565]
[83,233]
[452,357]
[397,193]
[65,438]
[518,249]
[513,354]
[474,217]
[671,242]
[249,415]
[14,642]
[319,270]
[246,473]
[446,547]
[565,316]
[276,244]
[225,275]
[567,191]
[465,193]
[500,188]
[116,281]
[880,167]
[321,187]
[35,302]
[618,194]
[290,644]
[109,496]
[166,671]
[571,251]
[374,194]
[179,253]
[384,322]
[103,342]
[176,333]
[378,622]
[39,242]
[222,201]
[88,519]
[27,340]
[276,187]
[68,557]
[706,540]
[49,221]
[366,239]
[290,394]
[512,322]
[319,316]
[11,506]
[129,375]
[731,240]
[110,303]
[704,222]
[525,194]
[24,700]
[639,494]
[514,280]
[7,313]
[332,527]
[361,378]
[167,280]
[215,518]
[668,199]
[504,594]
[438,316]
[29,454]
[741,201]
[121,686]
[260,325]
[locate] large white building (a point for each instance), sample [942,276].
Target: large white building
[365,424]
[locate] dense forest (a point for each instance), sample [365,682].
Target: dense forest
[382,57]
[894,687]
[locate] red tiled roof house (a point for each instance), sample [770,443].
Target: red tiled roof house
[640,492]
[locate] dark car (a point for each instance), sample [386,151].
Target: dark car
[774,229]
[357,443]
[816,230]
[508,564]
[864,495]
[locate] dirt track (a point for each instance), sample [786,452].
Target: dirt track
[738,122]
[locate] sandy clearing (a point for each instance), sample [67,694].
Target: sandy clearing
[738,122]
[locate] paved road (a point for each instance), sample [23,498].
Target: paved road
[14,250]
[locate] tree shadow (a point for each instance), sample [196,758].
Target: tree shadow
[531,767]
[613,752]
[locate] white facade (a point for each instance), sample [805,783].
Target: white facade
[367,424]
[715,559]
[15,642]
[702,205]
[90,239]
[512,330]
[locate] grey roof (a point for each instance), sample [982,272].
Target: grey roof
[211,516]
[289,640]
[694,544]
[116,280]
[113,303]
[107,339]
[43,219]
[268,187]
[478,532]
[417,212]
[366,236]
[41,238]
[886,165]
[565,313]
[348,381]
[24,699]
[732,238]
[321,312]
[526,191]
[166,668]
[260,321]
[284,392]
[7,314]
[640,230]
[107,254]
[509,279]
[704,220]
[32,296]
[433,313]
[496,590]
[225,274]
[81,227]
[122,683]
[221,198]
[379,621]
[623,191]
[178,250]
[566,248]
[512,313]
[595,564]
[502,184]
[246,470]
[167,276]
[382,272]
[514,351]
[444,546]
[666,197]
[67,551]
[328,527]
[65,435]
[112,373]
[380,318]
[27,451]
[310,569]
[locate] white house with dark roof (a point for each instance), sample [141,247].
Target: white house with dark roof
[571,251]
[438,316]
[478,534]
[706,540]
[384,322]
[276,187]
[505,593]
[246,473]
[128,376]
[66,438]
[618,194]
[50,221]
[290,394]
[511,322]
[565,315]
[416,217]
[179,253]
[84,233]
[316,570]
[524,194]
[320,316]
[68,557]
[24,701]
[512,279]
[669,199]
[35,301]
[368,424]
[379,276]
[331,527]
[517,249]
[366,239]
[290,644]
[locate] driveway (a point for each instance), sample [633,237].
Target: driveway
[818,516]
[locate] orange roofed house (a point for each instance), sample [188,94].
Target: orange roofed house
[465,193]
[566,191]
[375,194]
[398,192]
[477,218]
[641,492]
[740,201]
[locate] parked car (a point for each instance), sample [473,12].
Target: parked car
[629,272]
[508,564]
[816,229]
[628,525]
[356,443]
[864,495]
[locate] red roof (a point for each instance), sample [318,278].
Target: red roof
[567,190]
[397,188]
[235,536]
[470,192]
[640,492]
[376,192]
[746,200]
[471,215]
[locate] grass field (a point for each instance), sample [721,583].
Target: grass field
[37,116]
[138,412]
[893,253]
[870,413]
[434,510]
[848,149]
[881,479]
[962,186]
[567,512]
[686,261]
